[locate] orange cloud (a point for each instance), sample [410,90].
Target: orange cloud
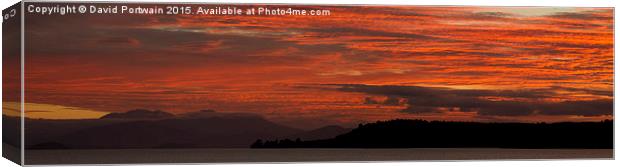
[261,64]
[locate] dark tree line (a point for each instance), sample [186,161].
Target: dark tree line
[441,134]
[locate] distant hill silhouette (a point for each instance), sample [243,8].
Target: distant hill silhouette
[190,133]
[139,114]
[438,134]
[47,131]
[203,129]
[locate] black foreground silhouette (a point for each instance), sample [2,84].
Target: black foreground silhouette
[440,134]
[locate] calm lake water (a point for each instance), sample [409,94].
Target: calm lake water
[34,157]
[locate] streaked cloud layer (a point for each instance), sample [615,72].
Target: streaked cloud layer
[520,64]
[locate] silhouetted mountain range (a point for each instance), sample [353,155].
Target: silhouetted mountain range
[142,128]
[438,134]
[209,129]
[139,114]
[153,129]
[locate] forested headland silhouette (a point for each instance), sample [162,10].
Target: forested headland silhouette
[402,133]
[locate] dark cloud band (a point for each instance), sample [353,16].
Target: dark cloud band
[434,99]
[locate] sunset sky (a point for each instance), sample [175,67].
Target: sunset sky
[360,64]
